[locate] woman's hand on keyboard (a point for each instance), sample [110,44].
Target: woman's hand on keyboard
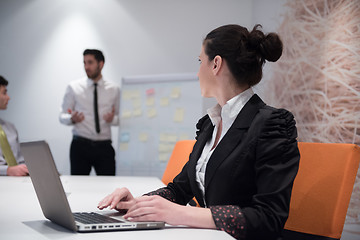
[120,199]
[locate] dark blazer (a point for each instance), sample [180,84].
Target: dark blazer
[249,176]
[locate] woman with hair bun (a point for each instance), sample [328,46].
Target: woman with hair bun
[245,159]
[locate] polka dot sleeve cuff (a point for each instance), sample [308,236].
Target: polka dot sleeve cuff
[163,192]
[230,219]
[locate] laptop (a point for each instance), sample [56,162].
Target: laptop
[53,200]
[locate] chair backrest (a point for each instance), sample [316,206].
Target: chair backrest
[178,158]
[322,189]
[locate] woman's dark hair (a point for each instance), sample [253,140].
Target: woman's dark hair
[245,52]
[98,55]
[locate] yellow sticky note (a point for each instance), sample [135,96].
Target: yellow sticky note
[184,136]
[163,147]
[164,102]
[163,157]
[175,92]
[179,115]
[151,113]
[135,94]
[126,95]
[124,146]
[137,112]
[163,137]
[150,101]
[171,138]
[126,114]
[143,137]
[171,147]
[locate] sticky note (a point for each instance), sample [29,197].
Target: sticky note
[163,157]
[124,146]
[179,115]
[163,147]
[175,92]
[135,94]
[150,101]
[125,137]
[143,137]
[171,138]
[126,114]
[126,95]
[164,101]
[137,112]
[171,147]
[151,113]
[184,136]
[163,137]
[150,91]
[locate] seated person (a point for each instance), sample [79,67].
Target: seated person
[11,160]
[243,164]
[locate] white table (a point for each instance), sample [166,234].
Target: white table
[21,216]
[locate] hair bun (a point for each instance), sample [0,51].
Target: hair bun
[256,37]
[271,47]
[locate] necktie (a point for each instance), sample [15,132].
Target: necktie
[97,125]
[6,150]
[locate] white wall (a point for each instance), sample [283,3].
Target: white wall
[41,45]
[270,15]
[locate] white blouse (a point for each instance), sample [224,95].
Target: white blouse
[228,114]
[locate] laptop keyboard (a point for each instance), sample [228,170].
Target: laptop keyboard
[94,218]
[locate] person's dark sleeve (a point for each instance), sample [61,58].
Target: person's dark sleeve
[178,191]
[163,192]
[276,165]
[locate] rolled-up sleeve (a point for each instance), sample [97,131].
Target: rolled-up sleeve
[68,104]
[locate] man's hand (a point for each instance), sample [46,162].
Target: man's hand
[18,170]
[76,116]
[108,117]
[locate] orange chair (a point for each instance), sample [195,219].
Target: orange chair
[178,158]
[322,190]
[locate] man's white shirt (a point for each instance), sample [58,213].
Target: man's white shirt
[79,97]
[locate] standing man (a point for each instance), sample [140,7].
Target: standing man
[91,105]
[11,160]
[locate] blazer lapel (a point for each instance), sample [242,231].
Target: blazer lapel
[233,136]
[201,141]
[194,157]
